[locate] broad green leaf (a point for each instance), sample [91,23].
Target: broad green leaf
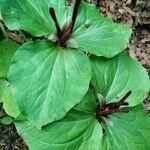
[32,15]
[99,35]
[113,78]
[128,131]
[78,130]
[92,31]
[48,81]
[7,50]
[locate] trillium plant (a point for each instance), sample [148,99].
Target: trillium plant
[71,86]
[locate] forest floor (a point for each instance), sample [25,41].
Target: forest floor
[136,14]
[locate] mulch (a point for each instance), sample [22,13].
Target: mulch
[136,14]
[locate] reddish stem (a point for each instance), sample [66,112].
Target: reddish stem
[69,30]
[113,107]
[64,36]
[111,111]
[53,15]
[106,112]
[75,12]
[122,101]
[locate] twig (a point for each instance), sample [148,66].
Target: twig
[14,37]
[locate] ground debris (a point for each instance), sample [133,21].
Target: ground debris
[9,138]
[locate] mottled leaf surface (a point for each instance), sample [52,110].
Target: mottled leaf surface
[78,130]
[99,35]
[113,78]
[92,32]
[32,15]
[128,131]
[48,81]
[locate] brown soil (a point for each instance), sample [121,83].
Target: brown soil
[135,13]
[9,138]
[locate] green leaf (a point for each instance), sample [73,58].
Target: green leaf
[6,120]
[78,130]
[48,81]
[32,16]
[7,50]
[99,35]
[6,98]
[128,131]
[9,104]
[72,43]
[92,31]
[113,78]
